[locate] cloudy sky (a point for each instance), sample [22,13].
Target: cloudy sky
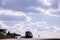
[41,17]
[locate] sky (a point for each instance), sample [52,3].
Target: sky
[41,17]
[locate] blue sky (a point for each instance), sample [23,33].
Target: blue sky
[41,17]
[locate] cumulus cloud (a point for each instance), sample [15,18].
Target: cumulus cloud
[46,2]
[24,5]
[43,26]
[14,14]
[50,11]
[3,26]
[46,31]
[11,12]
[18,28]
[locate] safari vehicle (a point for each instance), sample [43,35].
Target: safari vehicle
[28,34]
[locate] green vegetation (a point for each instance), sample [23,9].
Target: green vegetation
[4,35]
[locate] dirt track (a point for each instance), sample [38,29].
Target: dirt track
[29,39]
[20,39]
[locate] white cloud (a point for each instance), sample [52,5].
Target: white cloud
[57,29]
[2,25]
[49,11]
[11,12]
[49,31]
[42,25]
[46,2]
[19,28]
[28,18]
[15,13]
